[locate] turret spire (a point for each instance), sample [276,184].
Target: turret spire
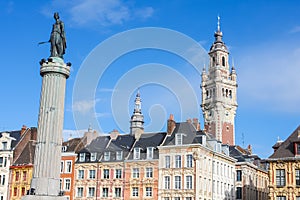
[137,118]
[219,30]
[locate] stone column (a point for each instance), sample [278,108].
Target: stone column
[46,175]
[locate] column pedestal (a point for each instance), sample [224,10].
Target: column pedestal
[45,183]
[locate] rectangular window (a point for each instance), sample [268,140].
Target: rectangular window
[4,145]
[135,191]
[150,152]
[135,173]
[68,166]
[82,157]
[166,198]
[189,182]
[177,198]
[104,192]
[178,161]
[177,182]
[106,173]
[61,166]
[188,198]
[148,191]
[67,184]
[91,192]
[15,191]
[23,190]
[149,172]
[3,161]
[280,198]
[297,174]
[167,162]
[167,182]
[24,175]
[238,175]
[17,178]
[280,177]
[118,173]
[93,156]
[178,139]
[79,192]
[80,174]
[117,192]
[92,174]
[189,160]
[119,155]
[60,184]
[106,156]
[239,193]
[136,153]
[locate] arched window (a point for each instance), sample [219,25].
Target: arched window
[226,92]
[223,61]
[223,94]
[214,60]
[230,94]
[207,93]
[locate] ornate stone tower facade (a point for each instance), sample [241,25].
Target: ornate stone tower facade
[137,118]
[219,88]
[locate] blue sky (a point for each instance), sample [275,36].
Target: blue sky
[262,37]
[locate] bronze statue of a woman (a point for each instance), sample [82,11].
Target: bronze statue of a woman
[58,38]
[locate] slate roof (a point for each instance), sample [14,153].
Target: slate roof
[286,149]
[74,145]
[14,134]
[191,135]
[148,140]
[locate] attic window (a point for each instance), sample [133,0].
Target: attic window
[150,152]
[119,155]
[93,156]
[136,153]
[4,145]
[81,157]
[106,156]
[64,148]
[179,139]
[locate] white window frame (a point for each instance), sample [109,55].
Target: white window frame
[149,172]
[150,152]
[79,192]
[178,160]
[118,173]
[136,153]
[148,191]
[106,175]
[106,156]
[62,166]
[119,192]
[82,157]
[179,139]
[167,161]
[93,156]
[119,155]
[135,172]
[92,174]
[93,190]
[135,192]
[167,182]
[177,182]
[68,166]
[67,184]
[105,191]
[79,174]
[189,160]
[189,182]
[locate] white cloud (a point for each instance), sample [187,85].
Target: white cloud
[100,115]
[95,12]
[269,78]
[67,134]
[84,106]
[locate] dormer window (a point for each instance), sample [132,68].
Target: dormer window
[297,148]
[150,152]
[93,156]
[82,157]
[136,153]
[119,155]
[4,145]
[178,139]
[106,156]
[64,148]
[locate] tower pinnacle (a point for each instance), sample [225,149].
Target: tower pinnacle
[137,118]
[219,23]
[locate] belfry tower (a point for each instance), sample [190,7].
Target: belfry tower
[219,88]
[137,118]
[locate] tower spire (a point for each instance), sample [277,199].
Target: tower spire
[219,30]
[137,118]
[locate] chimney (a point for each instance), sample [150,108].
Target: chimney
[114,134]
[249,148]
[171,125]
[196,124]
[23,129]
